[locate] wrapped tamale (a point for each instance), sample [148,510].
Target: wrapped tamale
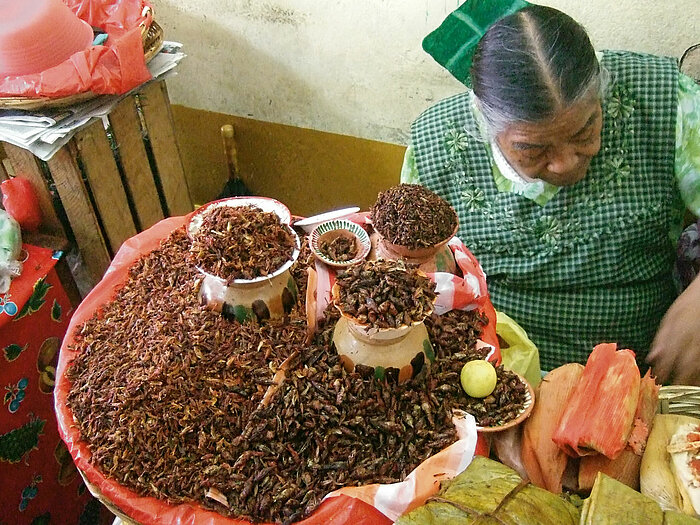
[600,414]
[544,461]
[488,492]
[671,517]
[659,477]
[612,502]
[625,467]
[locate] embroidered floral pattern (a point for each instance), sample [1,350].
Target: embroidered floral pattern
[612,171]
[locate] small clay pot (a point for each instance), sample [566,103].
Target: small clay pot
[398,353]
[436,258]
[331,230]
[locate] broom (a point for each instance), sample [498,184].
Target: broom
[235,187]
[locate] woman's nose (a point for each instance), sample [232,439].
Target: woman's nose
[563,160]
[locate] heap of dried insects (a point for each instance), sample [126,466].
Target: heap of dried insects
[411,215]
[340,249]
[167,395]
[385,294]
[241,243]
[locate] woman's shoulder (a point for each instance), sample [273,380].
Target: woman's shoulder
[651,80]
[637,60]
[454,101]
[455,107]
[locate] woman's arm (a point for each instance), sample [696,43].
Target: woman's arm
[675,352]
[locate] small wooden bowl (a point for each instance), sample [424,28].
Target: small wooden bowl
[522,416]
[328,231]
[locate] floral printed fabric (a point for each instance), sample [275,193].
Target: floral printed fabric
[40,484]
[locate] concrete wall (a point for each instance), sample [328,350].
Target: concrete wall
[356,67]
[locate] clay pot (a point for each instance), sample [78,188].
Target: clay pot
[329,231]
[436,258]
[265,297]
[272,297]
[398,353]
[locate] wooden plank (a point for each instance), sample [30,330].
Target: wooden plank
[106,185]
[3,171]
[161,133]
[62,268]
[76,202]
[137,170]
[26,165]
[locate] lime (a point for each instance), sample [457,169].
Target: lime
[478,378]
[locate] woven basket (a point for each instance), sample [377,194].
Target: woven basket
[680,399]
[152,38]
[110,506]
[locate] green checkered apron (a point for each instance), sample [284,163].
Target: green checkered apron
[594,263]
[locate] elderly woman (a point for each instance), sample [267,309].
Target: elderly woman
[571,173]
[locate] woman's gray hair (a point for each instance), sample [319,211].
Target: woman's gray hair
[531,65]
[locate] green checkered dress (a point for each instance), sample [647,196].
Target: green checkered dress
[593,264]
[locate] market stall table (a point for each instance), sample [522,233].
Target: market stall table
[148,509]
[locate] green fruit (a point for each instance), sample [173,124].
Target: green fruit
[478,378]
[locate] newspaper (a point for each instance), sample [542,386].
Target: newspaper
[44,132]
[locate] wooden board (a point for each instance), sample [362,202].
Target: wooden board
[106,185]
[76,202]
[26,165]
[137,170]
[155,105]
[3,173]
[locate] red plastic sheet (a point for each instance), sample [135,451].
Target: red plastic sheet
[336,510]
[113,68]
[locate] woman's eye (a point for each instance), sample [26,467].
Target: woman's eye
[534,155]
[587,139]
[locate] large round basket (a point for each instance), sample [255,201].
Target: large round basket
[97,493]
[152,38]
[680,399]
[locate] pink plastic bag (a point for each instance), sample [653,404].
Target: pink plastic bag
[113,68]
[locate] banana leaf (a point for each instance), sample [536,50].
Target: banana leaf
[671,517]
[614,503]
[490,493]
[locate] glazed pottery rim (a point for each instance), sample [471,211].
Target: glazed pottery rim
[340,225]
[194,222]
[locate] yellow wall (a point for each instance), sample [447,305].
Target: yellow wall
[310,171]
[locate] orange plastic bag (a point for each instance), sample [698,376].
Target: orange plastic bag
[113,68]
[364,505]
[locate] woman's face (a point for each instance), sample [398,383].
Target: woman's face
[559,150]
